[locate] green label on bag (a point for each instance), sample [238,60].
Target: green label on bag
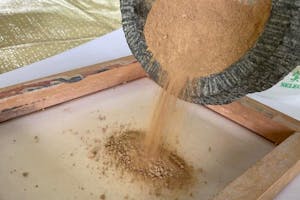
[292,80]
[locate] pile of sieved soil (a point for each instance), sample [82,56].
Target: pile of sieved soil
[166,170]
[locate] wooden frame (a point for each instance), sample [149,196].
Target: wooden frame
[269,176]
[261,182]
[39,94]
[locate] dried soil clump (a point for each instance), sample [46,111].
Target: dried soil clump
[167,169]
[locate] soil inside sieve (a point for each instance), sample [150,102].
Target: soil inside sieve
[166,169]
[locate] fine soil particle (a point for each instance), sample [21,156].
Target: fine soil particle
[102,197]
[166,169]
[36,139]
[104,129]
[25,174]
[101,117]
[92,154]
[12,171]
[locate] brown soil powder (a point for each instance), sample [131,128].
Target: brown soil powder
[164,120]
[166,170]
[189,38]
[195,38]
[203,37]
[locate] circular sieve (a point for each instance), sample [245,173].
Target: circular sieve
[275,54]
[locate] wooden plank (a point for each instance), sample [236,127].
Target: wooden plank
[279,185]
[37,95]
[275,115]
[69,76]
[267,177]
[254,120]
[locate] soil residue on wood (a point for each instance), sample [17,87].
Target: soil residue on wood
[166,170]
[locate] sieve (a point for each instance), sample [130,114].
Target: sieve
[275,53]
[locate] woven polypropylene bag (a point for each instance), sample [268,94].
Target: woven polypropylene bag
[275,54]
